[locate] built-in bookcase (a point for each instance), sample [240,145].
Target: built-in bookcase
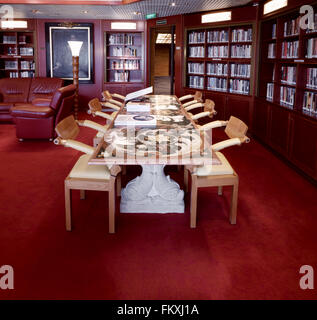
[123,57]
[219,59]
[288,73]
[17,54]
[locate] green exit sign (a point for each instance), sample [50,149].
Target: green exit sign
[150,16]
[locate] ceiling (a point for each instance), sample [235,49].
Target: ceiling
[162,8]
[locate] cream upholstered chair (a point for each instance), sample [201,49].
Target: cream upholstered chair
[209,110]
[218,175]
[114,99]
[84,176]
[197,97]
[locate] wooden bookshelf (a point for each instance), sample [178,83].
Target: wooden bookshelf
[124,58]
[17,54]
[219,59]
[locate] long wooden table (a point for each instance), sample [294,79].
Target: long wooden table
[175,140]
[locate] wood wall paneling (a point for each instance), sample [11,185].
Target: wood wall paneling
[260,119]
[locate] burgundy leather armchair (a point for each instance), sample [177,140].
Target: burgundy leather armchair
[37,120]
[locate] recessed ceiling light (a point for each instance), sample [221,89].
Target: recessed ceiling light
[137,12]
[173,4]
[84,11]
[35,11]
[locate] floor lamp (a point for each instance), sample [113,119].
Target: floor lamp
[75,47]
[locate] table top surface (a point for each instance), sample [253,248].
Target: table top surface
[174,140]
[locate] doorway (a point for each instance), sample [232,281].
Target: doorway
[162,59]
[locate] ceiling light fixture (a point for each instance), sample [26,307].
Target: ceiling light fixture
[123,25]
[274,5]
[137,12]
[216,17]
[14,24]
[35,11]
[84,11]
[173,4]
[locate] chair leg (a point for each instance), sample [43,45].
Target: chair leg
[119,185]
[234,203]
[193,202]
[186,179]
[112,206]
[220,191]
[82,194]
[68,207]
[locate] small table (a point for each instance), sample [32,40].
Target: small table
[175,140]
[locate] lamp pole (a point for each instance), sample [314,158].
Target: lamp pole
[75,47]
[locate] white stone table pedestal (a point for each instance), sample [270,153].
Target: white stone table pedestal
[152,192]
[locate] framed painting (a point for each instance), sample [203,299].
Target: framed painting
[58,53]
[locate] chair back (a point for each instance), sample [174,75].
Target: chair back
[209,106]
[236,129]
[198,96]
[106,95]
[67,128]
[94,105]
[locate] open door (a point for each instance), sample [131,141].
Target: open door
[162,59]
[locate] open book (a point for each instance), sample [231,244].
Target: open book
[137,94]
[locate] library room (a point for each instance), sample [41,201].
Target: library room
[158,150]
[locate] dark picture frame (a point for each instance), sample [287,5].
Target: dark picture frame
[58,53]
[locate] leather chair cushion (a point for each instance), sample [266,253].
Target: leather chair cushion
[5,106]
[30,111]
[215,170]
[44,87]
[83,170]
[41,102]
[60,94]
[15,90]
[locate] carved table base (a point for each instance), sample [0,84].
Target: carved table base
[152,192]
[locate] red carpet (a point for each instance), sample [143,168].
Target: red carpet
[153,256]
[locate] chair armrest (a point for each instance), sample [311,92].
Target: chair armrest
[119,96]
[115,102]
[41,102]
[110,105]
[194,106]
[93,125]
[103,115]
[213,124]
[201,115]
[115,170]
[225,144]
[189,96]
[189,103]
[75,145]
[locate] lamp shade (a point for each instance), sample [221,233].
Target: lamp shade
[75,47]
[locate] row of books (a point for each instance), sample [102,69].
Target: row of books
[290,49]
[271,51]
[122,52]
[217,84]
[241,51]
[312,48]
[239,86]
[274,31]
[217,69]
[196,68]
[197,52]
[126,64]
[287,96]
[121,39]
[291,27]
[217,36]
[311,78]
[196,82]
[11,65]
[241,35]
[121,76]
[196,37]
[240,70]
[310,102]
[24,74]
[288,75]
[9,39]
[27,65]
[314,29]
[26,51]
[12,51]
[270,91]
[218,51]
